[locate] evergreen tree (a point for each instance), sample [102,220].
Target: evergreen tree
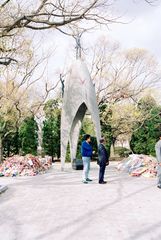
[51,128]
[29,136]
[146,134]
[105,119]
[11,144]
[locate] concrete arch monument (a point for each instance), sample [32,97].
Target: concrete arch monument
[79,95]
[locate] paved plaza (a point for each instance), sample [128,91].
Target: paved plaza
[57,206]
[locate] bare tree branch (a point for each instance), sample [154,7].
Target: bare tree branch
[4,3]
[119,75]
[50,14]
[7,61]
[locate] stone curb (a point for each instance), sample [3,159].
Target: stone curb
[3,189]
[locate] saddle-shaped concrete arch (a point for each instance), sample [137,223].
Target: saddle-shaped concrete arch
[79,95]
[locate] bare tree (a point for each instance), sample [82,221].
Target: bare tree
[51,14]
[121,78]
[47,14]
[55,14]
[17,86]
[120,75]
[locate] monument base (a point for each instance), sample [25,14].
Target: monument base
[77,164]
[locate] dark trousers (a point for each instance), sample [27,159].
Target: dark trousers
[102,172]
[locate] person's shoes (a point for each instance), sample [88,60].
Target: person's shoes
[89,180]
[159,186]
[84,181]
[104,182]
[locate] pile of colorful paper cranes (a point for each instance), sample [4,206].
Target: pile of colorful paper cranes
[24,166]
[139,165]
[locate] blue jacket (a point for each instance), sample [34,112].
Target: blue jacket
[86,149]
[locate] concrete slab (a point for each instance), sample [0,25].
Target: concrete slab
[58,206]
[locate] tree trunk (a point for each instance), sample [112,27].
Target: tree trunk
[112,152]
[8,149]
[17,142]
[1,149]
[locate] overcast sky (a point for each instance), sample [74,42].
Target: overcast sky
[142,31]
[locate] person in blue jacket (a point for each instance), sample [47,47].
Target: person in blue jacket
[103,160]
[86,151]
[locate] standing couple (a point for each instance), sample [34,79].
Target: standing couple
[103,159]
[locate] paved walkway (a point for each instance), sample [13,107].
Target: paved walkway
[57,206]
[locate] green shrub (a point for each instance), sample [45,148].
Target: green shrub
[122,151]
